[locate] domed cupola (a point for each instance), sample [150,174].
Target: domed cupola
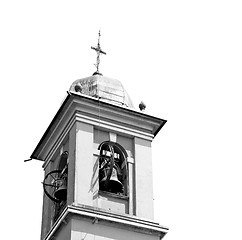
[104,88]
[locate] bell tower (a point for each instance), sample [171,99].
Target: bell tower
[98,166]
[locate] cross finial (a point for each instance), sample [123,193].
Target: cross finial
[99,51]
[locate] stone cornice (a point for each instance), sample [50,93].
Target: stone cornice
[98,113]
[97,216]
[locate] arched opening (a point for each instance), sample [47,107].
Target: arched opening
[61,189]
[113,171]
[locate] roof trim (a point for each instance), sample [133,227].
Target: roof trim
[103,102]
[33,155]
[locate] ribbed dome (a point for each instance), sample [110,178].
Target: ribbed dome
[108,89]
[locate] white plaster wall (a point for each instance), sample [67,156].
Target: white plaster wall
[113,204]
[84,164]
[100,231]
[143,179]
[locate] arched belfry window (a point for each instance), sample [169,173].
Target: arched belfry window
[113,171]
[55,182]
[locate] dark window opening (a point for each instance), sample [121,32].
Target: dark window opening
[55,185]
[113,172]
[60,192]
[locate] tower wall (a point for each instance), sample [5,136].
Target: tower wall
[143,178]
[83,164]
[99,231]
[81,125]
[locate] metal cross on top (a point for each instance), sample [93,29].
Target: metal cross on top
[99,51]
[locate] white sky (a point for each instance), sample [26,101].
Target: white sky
[182,58]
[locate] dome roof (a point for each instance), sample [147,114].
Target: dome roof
[108,89]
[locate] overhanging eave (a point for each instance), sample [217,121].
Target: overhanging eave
[155,124]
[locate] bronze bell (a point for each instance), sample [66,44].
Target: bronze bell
[113,185]
[61,191]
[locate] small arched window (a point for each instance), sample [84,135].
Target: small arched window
[113,172]
[55,185]
[60,192]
